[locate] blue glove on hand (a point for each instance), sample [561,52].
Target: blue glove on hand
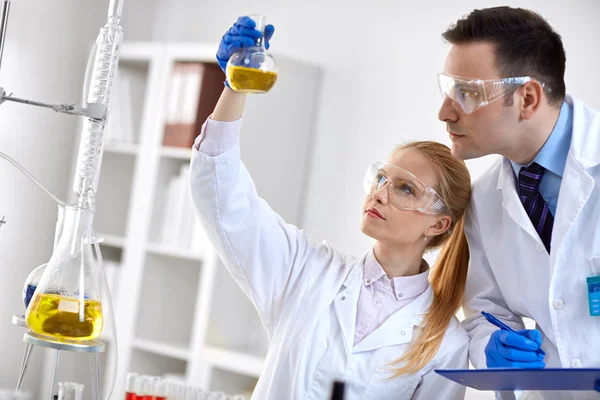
[515,350]
[241,35]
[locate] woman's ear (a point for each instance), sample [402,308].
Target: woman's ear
[441,225]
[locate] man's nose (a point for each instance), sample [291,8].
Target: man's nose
[447,111]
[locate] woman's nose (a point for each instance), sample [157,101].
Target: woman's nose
[381,194]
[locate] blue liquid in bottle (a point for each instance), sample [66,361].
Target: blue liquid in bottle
[29,294]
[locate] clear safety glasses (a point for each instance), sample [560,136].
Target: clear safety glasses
[405,191]
[467,95]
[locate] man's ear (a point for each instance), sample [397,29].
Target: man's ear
[531,95]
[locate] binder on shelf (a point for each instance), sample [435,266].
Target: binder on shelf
[194,92]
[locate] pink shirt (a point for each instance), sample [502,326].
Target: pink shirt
[380,296]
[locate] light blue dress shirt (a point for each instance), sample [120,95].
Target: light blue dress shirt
[553,157]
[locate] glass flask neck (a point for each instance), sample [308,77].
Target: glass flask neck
[261,23]
[260,42]
[60,224]
[76,227]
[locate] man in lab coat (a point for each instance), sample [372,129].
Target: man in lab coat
[533,226]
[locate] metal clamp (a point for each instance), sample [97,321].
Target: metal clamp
[94,111]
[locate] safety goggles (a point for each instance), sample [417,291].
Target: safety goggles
[468,95]
[404,190]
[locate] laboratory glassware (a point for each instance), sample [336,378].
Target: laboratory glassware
[253,69]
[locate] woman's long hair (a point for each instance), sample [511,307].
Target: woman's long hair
[449,274]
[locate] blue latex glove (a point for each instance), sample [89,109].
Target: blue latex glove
[241,35]
[515,350]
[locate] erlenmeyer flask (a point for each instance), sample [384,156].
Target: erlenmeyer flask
[253,69]
[66,303]
[33,279]
[31,283]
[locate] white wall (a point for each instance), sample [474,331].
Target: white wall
[44,60]
[380,59]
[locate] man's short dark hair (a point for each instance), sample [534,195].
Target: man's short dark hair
[525,44]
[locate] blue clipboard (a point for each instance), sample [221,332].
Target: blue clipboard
[524,379]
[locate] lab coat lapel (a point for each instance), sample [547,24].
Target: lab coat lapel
[577,184]
[346,304]
[398,328]
[576,189]
[511,202]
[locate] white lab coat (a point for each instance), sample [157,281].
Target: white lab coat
[511,275]
[307,297]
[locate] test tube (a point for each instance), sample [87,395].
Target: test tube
[149,393]
[183,392]
[70,391]
[213,396]
[170,390]
[160,389]
[175,391]
[190,394]
[140,387]
[179,391]
[130,389]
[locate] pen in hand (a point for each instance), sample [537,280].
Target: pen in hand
[496,322]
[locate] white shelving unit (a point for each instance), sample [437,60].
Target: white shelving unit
[179,312]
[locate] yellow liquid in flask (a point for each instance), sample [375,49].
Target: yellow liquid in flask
[250,80]
[58,316]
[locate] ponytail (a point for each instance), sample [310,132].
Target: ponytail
[449,273]
[448,278]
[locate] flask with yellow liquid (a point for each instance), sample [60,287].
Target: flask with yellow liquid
[252,69]
[66,303]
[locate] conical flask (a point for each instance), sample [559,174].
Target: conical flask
[33,280]
[252,69]
[67,301]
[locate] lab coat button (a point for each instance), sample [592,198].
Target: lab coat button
[368,281]
[343,298]
[558,304]
[402,333]
[576,363]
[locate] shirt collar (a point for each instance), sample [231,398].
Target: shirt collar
[404,287]
[553,154]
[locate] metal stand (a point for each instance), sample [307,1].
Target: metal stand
[101,68]
[92,346]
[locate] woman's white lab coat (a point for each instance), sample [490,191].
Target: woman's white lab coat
[511,274]
[307,298]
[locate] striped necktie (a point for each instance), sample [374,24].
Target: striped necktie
[535,206]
